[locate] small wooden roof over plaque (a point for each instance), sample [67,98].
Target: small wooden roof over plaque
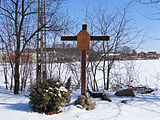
[83,40]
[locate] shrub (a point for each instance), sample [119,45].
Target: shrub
[47,97]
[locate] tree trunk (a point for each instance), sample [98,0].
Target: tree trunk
[16,74]
[11,87]
[108,80]
[108,68]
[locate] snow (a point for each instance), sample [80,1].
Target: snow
[63,89]
[141,107]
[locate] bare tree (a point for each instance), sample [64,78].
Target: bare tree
[22,16]
[114,24]
[5,66]
[8,56]
[125,75]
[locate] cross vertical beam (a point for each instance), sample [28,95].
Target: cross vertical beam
[83,69]
[83,74]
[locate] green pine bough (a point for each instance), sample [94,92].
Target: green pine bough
[48,97]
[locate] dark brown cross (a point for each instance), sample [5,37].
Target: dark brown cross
[83,43]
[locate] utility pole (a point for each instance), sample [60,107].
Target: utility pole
[41,43]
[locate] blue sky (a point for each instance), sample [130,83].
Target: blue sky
[137,12]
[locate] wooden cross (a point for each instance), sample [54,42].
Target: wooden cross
[83,43]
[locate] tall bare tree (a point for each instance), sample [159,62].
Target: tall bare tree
[115,24]
[21,16]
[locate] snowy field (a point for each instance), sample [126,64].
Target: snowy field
[141,107]
[142,72]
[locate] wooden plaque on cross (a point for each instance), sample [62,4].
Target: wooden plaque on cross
[83,43]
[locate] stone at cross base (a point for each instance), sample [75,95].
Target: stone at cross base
[85,102]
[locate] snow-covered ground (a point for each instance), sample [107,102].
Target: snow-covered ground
[141,107]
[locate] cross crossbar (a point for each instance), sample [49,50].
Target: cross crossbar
[99,38]
[69,38]
[93,38]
